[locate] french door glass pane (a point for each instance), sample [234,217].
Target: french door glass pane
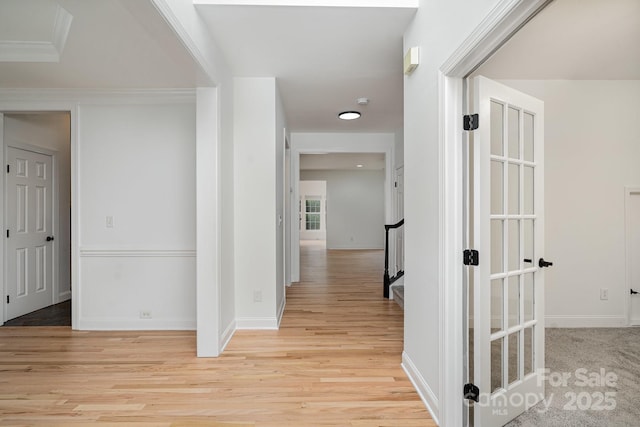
[496,364]
[514,301]
[514,189]
[528,350]
[514,357]
[497,246]
[514,133]
[528,190]
[528,243]
[528,137]
[497,295]
[497,188]
[514,245]
[528,297]
[497,113]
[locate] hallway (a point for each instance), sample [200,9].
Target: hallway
[334,362]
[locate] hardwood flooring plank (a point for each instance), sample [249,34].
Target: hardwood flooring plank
[335,361]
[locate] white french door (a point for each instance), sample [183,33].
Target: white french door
[29,239]
[508,231]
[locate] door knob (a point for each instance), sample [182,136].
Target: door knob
[49,238]
[542,263]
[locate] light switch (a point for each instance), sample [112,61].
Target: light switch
[109,221]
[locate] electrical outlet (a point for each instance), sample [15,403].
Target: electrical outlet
[604,294]
[145,314]
[257,295]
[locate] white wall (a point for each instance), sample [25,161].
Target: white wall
[136,164]
[51,131]
[259,250]
[438,29]
[217,312]
[355,207]
[398,148]
[590,156]
[312,189]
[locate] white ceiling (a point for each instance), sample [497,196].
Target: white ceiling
[573,40]
[342,161]
[111,44]
[324,58]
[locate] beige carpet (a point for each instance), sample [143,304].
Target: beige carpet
[606,390]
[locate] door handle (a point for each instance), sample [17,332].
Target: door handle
[49,238]
[542,263]
[633,292]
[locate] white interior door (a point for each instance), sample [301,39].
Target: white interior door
[508,232]
[29,242]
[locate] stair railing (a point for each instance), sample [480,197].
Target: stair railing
[389,280]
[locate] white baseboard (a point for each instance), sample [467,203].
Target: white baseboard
[257,323]
[424,391]
[585,321]
[135,325]
[64,296]
[281,310]
[227,335]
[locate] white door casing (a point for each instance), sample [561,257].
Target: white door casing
[508,232]
[29,272]
[632,236]
[399,232]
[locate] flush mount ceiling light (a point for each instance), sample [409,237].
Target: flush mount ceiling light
[359,166]
[349,115]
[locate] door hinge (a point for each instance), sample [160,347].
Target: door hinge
[8,168]
[7,232]
[471,257]
[395,184]
[7,299]
[471,121]
[471,392]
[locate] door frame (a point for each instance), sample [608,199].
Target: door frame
[628,193]
[504,20]
[55,210]
[393,250]
[298,148]
[20,105]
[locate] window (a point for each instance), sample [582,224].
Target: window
[312,214]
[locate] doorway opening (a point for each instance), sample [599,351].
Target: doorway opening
[342,199]
[341,205]
[37,218]
[583,176]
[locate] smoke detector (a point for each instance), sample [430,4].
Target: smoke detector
[362,101]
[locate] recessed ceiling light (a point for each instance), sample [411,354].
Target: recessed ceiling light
[349,115]
[359,166]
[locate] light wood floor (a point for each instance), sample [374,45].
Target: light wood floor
[334,362]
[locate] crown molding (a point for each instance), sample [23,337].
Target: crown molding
[42,50]
[100,96]
[61,29]
[23,51]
